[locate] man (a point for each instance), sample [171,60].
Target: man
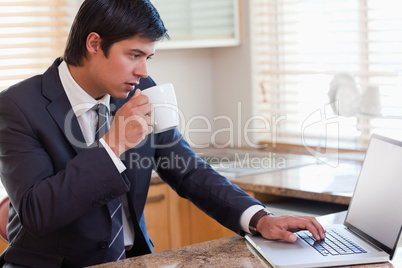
[78,201]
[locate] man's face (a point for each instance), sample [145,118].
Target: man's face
[121,71]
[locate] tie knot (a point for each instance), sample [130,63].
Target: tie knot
[100,108]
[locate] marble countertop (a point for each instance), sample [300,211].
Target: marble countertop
[319,182]
[287,175]
[232,251]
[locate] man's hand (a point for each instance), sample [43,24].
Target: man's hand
[131,124]
[283,227]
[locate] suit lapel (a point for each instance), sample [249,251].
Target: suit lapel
[60,107]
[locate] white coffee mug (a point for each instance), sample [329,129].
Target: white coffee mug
[165,113]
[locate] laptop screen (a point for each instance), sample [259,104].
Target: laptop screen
[375,209]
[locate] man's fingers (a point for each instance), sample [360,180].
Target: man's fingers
[131,124]
[283,227]
[319,227]
[143,110]
[315,228]
[141,126]
[139,104]
[137,99]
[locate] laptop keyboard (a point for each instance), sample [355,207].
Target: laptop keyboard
[333,244]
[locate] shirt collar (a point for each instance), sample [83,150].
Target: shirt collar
[79,99]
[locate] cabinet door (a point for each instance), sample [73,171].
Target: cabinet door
[157,216]
[204,228]
[3,245]
[175,222]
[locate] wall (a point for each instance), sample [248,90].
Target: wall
[233,85]
[213,87]
[190,71]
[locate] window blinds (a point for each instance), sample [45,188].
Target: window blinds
[32,35]
[195,23]
[298,48]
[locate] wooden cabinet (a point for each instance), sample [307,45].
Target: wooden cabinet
[157,217]
[204,228]
[3,245]
[175,222]
[167,218]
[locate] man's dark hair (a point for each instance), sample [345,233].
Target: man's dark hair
[114,21]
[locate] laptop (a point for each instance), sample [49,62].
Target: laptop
[371,230]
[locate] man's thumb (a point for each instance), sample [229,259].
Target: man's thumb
[290,237]
[137,92]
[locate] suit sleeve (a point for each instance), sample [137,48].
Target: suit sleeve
[194,179]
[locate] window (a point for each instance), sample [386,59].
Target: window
[32,35]
[195,23]
[299,46]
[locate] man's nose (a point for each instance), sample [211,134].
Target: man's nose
[141,69]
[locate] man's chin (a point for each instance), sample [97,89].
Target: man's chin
[122,95]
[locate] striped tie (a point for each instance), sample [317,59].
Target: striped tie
[116,250]
[102,125]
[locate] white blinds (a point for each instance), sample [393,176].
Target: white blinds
[195,23]
[32,35]
[299,46]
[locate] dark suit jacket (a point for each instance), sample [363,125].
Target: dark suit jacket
[58,188]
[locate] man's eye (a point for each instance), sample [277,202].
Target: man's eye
[149,58]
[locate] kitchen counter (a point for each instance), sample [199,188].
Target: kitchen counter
[268,174]
[232,251]
[318,182]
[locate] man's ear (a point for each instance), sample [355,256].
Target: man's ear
[93,43]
